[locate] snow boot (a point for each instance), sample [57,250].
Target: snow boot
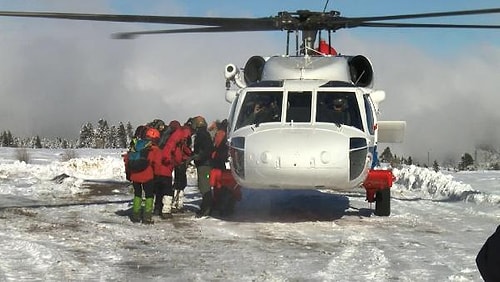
[166,212]
[136,209]
[148,211]
[178,205]
[158,206]
[206,205]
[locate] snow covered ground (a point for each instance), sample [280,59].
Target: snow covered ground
[73,229]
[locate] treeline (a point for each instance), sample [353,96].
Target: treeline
[99,136]
[105,136]
[467,162]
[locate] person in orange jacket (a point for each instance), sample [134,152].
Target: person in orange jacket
[143,180]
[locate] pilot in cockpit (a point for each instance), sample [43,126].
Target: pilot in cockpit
[339,113]
[263,111]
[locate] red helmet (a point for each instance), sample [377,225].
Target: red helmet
[152,133]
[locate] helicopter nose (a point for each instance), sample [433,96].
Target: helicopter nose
[301,158]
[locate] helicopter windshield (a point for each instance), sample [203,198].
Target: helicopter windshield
[260,107]
[338,108]
[331,107]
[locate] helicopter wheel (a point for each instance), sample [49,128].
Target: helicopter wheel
[383,202]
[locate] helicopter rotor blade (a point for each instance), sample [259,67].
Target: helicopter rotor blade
[427,15]
[134,34]
[411,25]
[206,21]
[303,20]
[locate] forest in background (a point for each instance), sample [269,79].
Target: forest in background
[99,136]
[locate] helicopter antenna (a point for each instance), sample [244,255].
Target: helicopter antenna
[326,5]
[324,10]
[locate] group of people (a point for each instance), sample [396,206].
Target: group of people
[157,161]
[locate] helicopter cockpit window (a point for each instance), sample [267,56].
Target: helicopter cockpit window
[260,107]
[338,108]
[299,106]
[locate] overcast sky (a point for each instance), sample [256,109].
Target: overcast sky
[57,75]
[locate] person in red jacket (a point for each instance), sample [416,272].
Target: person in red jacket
[220,154]
[222,198]
[178,151]
[143,181]
[164,191]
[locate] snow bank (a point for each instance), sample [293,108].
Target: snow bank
[22,179]
[19,178]
[439,186]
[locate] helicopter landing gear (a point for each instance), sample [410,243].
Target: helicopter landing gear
[378,189]
[383,202]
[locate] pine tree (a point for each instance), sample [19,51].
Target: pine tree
[435,166]
[465,161]
[8,140]
[37,144]
[395,160]
[64,144]
[122,136]
[111,141]
[130,132]
[409,161]
[101,134]
[4,140]
[86,136]
[386,155]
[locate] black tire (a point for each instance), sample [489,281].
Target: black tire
[383,202]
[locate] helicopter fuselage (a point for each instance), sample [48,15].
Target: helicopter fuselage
[304,122]
[302,141]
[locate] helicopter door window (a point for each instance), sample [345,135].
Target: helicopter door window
[232,112]
[299,106]
[260,107]
[370,121]
[338,108]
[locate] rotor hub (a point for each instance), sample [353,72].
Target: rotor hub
[307,20]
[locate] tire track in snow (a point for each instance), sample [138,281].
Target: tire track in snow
[353,245]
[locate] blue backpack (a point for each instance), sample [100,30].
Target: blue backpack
[138,155]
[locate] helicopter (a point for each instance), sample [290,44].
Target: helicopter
[307,119]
